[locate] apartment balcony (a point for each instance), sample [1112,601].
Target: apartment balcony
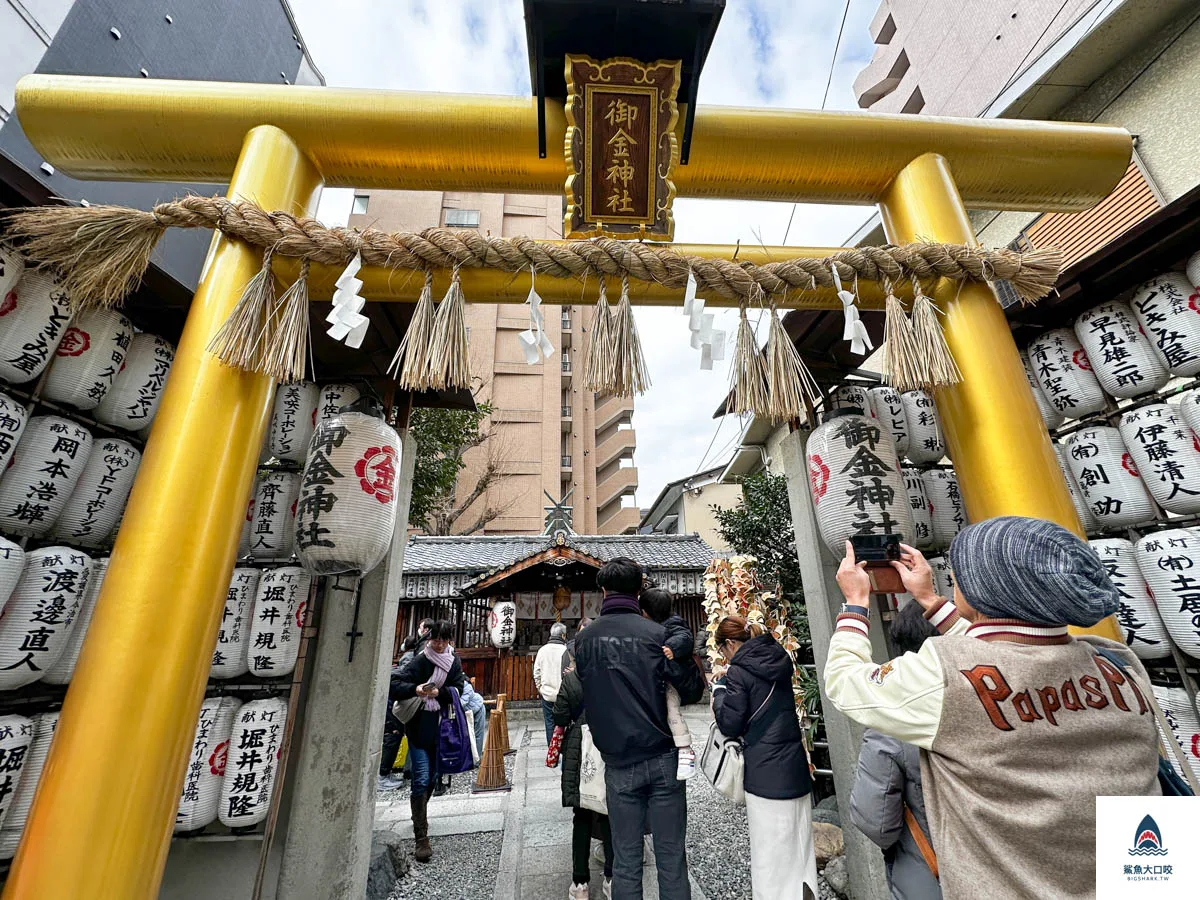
[882,75]
[619,445]
[567,372]
[566,330]
[615,486]
[566,419]
[613,409]
[565,467]
[621,520]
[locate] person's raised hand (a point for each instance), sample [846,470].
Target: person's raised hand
[917,576]
[853,579]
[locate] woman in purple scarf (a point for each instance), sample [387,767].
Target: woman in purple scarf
[427,675]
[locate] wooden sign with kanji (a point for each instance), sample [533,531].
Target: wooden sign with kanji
[620,148]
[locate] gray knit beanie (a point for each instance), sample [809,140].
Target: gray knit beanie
[1013,567]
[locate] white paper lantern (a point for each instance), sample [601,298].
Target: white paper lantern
[62,671]
[333,398]
[206,766]
[272,530]
[16,734]
[889,409]
[12,267]
[922,512]
[1167,454]
[1109,479]
[1124,359]
[1168,309]
[48,464]
[852,397]
[254,746]
[12,564]
[280,605]
[856,484]
[943,576]
[133,399]
[233,638]
[1138,616]
[36,626]
[347,509]
[247,528]
[1064,372]
[22,799]
[98,500]
[88,358]
[1051,417]
[33,317]
[1185,727]
[1189,409]
[1170,563]
[502,624]
[926,444]
[292,420]
[13,418]
[1082,509]
[948,515]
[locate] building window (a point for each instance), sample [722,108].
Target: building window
[462,218]
[359,207]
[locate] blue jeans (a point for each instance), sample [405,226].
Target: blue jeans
[424,769]
[548,715]
[481,727]
[648,792]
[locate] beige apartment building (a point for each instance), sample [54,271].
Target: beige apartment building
[550,435]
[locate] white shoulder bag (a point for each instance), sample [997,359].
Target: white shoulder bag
[593,793]
[721,759]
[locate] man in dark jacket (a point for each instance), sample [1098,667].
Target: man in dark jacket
[624,673]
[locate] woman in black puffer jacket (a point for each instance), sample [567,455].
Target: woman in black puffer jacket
[754,702]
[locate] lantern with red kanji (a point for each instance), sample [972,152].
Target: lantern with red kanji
[89,356]
[206,765]
[33,317]
[1124,358]
[47,466]
[1109,479]
[502,624]
[1141,625]
[293,419]
[855,481]
[132,401]
[255,742]
[347,508]
[1064,372]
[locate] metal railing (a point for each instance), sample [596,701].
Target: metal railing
[566,462]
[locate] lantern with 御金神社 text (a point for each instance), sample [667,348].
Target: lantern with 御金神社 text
[1109,479]
[207,764]
[347,509]
[502,624]
[254,746]
[1124,359]
[1141,625]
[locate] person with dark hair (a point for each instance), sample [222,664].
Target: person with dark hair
[1021,725]
[887,804]
[393,729]
[753,701]
[568,660]
[658,604]
[624,674]
[427,675]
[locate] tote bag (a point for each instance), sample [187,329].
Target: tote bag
[721,760]
[593,794]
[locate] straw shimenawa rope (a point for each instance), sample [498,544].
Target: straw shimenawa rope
[102,251]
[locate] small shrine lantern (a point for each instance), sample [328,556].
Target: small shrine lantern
[247,787]
[1051,417]
[1161,556]
[293,419]
[1167,453]
[33,317]
[230,658]
[888,407]
[43,472]
[40,614]
[502,624]
[1109,479]
[1168,309]
[88,358]
[1125,360]
[926,445]
[206,768]
[98,500]
[1141,625]
[132,401]
[13,419]
[1062,368]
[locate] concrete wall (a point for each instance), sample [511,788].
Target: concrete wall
[697,517]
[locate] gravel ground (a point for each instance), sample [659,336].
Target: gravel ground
[463,865]
[459,784]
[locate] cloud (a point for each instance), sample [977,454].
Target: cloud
[772,53]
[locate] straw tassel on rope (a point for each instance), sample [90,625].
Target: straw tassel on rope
[749,378]
[240,341]
[936,365]
[629,364]
[449,355]
[900,356]
[410,366]
[287,336]
[789,383]
[598,367]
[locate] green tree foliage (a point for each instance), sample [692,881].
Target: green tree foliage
[761,526]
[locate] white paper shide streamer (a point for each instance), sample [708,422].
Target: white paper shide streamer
[13,418]
[1124,359]
[347,507]
[1064,372]
[47,465]
[229,657]
[346,321]
[40,613]
[254,746]
[854,330]
[926,444]
[889,409]
[1108,478]
[1167,453]
[88,358]
[206,766]
[272,531]
[98,500]
[16,734]
[534,341]
[22,799]
[1170,563]
[1141,625]
[61,671]
[292,420]
[33,317]
[279,610]
[133,399]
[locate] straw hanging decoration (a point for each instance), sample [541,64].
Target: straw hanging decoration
[239,343]
[410,366]
[449,355]
[935,365]
[287,335]
[789,383]
[598,371]
[629,364]
[900,357]
[749,377]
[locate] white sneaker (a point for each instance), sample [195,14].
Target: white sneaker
[687,764]
[607,889]
[578,892]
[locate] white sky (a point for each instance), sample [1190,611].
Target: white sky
[767,53]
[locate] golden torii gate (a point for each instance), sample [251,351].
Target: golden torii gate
[102,819]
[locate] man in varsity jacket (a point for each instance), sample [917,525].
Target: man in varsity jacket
[1020,725]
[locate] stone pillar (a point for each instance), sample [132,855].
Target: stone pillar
[864,862]
[327,846]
